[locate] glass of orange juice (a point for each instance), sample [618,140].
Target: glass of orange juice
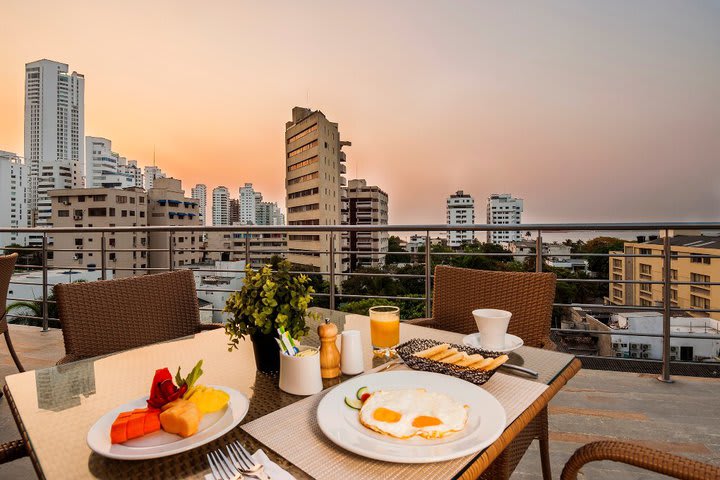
[384,328]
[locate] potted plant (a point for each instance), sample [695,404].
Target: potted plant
[268,300]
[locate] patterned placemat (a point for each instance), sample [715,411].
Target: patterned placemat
[293,433]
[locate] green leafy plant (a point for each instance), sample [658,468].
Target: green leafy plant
[269,300]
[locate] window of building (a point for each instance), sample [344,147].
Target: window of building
[99,198]
[696,258]
[306,238]
[112,212]
[97,212]
[132,213]
[699,302]
[142,199]
[646,287]
[302,149]
[307,131]
[121,199]
[111,242]
[304,163]
[123,213]
[617,263]
[132,199]
[112,256]
[645,303]
[645,251]
[142,214]
[646,269]
[63,213]
[81,198]
[78,242]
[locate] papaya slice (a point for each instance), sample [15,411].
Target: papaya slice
[118,431]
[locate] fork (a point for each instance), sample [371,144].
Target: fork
[243,461]
[222,468]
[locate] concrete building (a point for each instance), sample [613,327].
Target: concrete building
[103,166]
[650,347]
[14,179]
[314,168]
[199,192]
[214,287]
[504,209]
[168,205]
[230,246]
[28,285]
[554,255]
[417,242]
[366,205]
[54,134]
[460,211]
[247,204]
[130,168]
[100,207]
[151,174]
[268,213]
[687,265]
[234,212]
[221,206]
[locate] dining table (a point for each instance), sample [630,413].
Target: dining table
[55,407]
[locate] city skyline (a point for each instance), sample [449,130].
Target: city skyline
[606,127]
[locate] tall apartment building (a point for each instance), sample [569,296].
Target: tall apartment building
[103,166]
[130,168]
[199,192]
[168,205]
[13,197]
[234,211]
[268,213]
[366,205]
[126,253]
[460,211]
[694,268]
[247,204]
[314,166]
[230,246]
[54,134]
[152,173]
[504,209]
[221,206]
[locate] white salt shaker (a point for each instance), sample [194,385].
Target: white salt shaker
[351,353]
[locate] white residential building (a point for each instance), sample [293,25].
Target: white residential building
[221,206]
[13,197]
[199,192]
[151,173]
[131,169]
[247,204]
[460,211]
[54,133]
[102,165]
[504,209]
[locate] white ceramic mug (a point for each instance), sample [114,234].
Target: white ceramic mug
[492,325]
[351,353]
[301,375]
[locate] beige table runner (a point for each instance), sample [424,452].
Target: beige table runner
[293,433]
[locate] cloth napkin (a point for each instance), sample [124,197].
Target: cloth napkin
[271,468]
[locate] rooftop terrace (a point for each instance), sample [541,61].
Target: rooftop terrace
[680,418]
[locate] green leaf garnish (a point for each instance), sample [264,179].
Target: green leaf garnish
[192,377]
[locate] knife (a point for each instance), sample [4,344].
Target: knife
[518,368]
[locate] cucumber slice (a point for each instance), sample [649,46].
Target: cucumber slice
[362,391]
[353,403]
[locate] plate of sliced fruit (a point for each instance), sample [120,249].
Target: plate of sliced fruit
[178,415]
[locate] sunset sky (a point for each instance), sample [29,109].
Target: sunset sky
[590,111]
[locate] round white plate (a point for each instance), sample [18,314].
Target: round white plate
[512,342]
[161,444]
[340,423]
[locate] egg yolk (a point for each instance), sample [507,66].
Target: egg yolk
[425,421]
[386,415]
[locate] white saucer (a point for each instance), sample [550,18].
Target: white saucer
[512,342]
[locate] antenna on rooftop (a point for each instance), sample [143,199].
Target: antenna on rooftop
[153,154]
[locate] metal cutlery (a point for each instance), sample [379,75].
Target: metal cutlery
[243,461]
[518,368]
[222,468]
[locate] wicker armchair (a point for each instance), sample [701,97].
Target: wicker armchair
[638,456]
[109,316]
[529,296]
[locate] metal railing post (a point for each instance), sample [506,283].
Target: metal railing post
[667,264]
[538,252]
[428,276]
[171,253]
[247,247]
[332,271]
[103,249]
[44,284]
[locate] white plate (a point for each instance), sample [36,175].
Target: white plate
[340,423]
[512,342]
[161,444]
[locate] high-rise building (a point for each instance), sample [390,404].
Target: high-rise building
[234,211]
[130,168]
[247,204]
[268,213]
[504,209]
[151,173]
[221,206]
[126,252]
[13,197]
[314,168]
[54,133]
[366,205]
[199,192]
[230,246]
[103,166]
[168,205]
[460,211]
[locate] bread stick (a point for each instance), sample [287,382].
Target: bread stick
[445,354]
[497,362]
[469,359]
[429,352]
[454,358]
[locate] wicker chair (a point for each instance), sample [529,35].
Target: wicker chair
[109,316]
[529,296]
[638,456]
[16,449]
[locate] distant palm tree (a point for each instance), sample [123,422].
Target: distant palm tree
[35,308]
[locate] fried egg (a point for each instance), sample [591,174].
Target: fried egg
[407,413]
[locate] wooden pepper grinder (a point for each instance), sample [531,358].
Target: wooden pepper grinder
[329,353]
